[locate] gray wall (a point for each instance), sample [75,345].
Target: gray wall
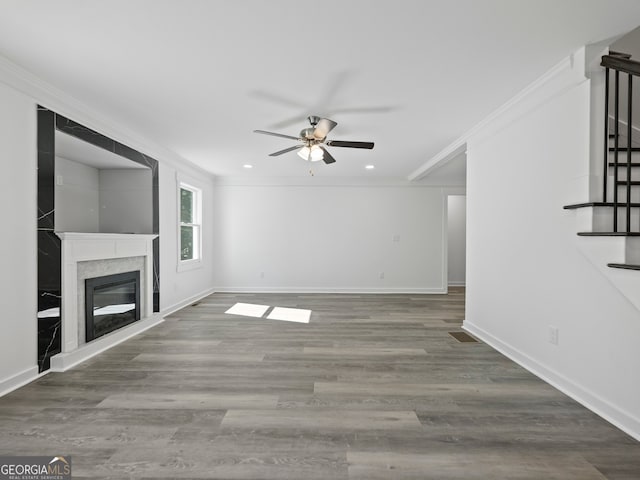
[125,201]
[76,197]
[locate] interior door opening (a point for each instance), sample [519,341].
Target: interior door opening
[456,240]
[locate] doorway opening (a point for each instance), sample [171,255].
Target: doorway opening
[456,240]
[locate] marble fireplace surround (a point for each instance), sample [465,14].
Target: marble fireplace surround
[87,255]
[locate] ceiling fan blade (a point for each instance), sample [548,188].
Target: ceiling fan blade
[286,150]
[288,122]
[323,128]
[326,156]
[264,132]
[344,143]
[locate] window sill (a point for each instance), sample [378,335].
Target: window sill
[186,265]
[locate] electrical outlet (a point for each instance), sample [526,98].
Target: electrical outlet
[59,180]
[553,335]
[381,275]
[396,238]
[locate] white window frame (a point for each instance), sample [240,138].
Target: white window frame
[196,262]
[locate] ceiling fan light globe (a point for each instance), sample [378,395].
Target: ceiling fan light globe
[316,153]
[304,153]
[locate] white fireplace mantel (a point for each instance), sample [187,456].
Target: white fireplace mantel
[82,247]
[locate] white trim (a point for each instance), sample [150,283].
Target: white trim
[625,421]
[186,302]
[188,265]
[364,290]
[457,283]
[18,380]
[459,144]
[66,360]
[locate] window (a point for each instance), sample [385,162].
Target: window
[189,236]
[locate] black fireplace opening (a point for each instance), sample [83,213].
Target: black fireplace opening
[111,302]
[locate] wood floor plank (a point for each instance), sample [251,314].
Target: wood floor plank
[188,401]
[497,466]
[329,419]
[365,351]
[209,357]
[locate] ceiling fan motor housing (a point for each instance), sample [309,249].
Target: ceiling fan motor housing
[307,133]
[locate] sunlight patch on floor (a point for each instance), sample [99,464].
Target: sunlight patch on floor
[298,315]
[290,314]
[248,310]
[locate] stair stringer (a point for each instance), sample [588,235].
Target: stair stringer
[600,251]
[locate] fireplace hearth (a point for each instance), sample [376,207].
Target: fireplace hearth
[111,302]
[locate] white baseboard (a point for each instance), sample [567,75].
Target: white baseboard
[18,380]
[188,301]
[64,361]
[614,415]
[356,290]
[453,283]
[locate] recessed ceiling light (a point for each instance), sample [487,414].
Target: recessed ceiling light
[370,167]
[246,165]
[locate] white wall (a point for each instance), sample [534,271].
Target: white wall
[456,238]
[126,201]
[18,242]
[524,270]
[76,200]
[329,238]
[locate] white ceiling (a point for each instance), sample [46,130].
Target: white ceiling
[197,76]
[86,153]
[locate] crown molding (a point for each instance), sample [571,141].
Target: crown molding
[51,97]
[249,181]
[573,62]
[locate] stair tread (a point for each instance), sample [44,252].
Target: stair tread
[609,234]
[622,148]
[625,266]
[624,164]
[597,204]
[632,182]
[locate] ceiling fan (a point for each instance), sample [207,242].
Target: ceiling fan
[314,141]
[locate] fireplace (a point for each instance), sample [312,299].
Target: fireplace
[111,302]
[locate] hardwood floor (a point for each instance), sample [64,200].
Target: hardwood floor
[374,387]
